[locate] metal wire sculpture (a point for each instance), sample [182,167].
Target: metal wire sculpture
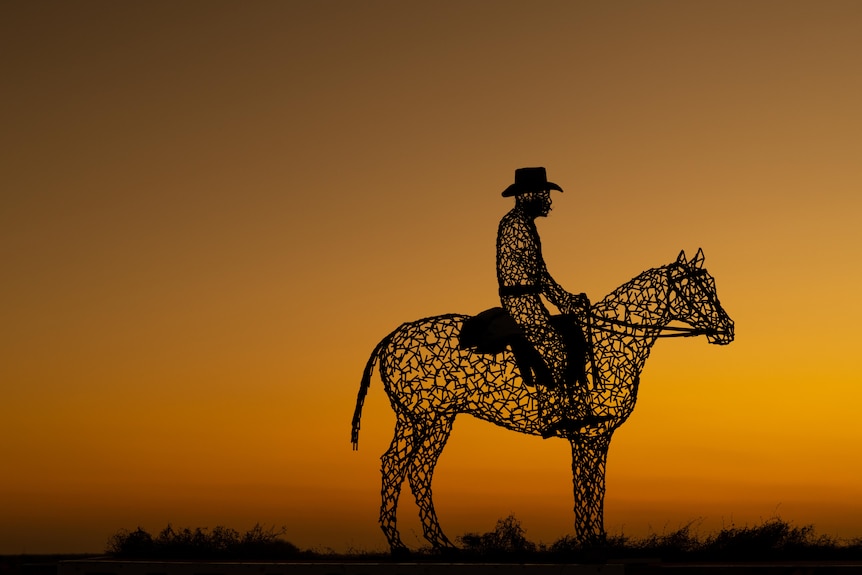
[430,379]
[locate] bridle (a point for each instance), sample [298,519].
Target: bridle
[675,331]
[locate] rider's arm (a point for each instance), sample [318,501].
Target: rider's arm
[565,301]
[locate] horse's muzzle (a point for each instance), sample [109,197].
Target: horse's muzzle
[721,336]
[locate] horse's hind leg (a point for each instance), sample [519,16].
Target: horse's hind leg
[394,466]
[433,439]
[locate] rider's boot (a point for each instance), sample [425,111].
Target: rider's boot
[577,414]
[566,426]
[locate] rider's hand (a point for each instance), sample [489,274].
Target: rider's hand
[578,303]
[583,300]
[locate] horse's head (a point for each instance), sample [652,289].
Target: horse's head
[693,299]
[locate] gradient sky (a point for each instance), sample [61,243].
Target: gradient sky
[212,211]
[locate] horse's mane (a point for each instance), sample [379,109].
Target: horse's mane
[632,289]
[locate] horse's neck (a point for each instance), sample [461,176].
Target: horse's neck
[636,312]
[641,302]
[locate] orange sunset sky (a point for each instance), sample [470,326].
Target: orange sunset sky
[212,211]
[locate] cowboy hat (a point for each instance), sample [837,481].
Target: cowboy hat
[530,180]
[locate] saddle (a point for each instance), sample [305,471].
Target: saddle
[494,330]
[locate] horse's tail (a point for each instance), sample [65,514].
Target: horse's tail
[363,388]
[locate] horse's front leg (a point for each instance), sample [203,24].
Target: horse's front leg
[421,472]
[589,457]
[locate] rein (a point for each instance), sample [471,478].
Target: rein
[679,331]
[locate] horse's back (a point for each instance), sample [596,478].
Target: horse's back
[430,332]
[422,359]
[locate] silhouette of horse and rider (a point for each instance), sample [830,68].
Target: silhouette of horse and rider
[573,375]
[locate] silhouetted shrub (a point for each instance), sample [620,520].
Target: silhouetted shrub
[774,538]
[137,543]
[266,544]
[679,543]
[506,538]
[220,543]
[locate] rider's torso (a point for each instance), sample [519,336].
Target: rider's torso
[519,251]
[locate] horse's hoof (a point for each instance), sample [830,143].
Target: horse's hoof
[399,551]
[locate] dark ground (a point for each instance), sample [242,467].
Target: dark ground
[47,565]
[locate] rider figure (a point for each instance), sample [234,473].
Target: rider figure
[523,278]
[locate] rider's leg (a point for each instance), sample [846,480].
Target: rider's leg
[535,321]
[550,346]
[567,405]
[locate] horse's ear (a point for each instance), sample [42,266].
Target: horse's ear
[680,259]
[698,258]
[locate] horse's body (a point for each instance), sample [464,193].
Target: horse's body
[430,380]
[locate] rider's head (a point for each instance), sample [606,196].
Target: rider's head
[532,191]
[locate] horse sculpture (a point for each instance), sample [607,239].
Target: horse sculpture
[430,380]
